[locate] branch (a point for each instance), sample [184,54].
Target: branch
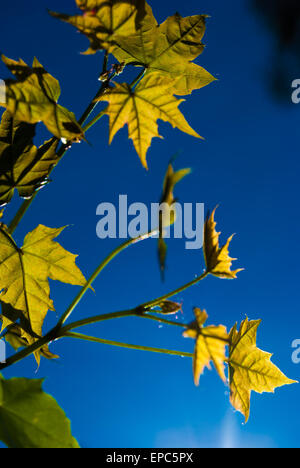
[99,269]
[155,302]
[78,336]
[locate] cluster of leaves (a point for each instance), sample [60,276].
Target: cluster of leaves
[250,369]
[31,98]
[165,52]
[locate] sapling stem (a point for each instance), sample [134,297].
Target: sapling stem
[78,336]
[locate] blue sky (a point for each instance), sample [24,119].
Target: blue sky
[248,164]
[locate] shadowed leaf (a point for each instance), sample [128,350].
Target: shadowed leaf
[102,20]
[33,97]
[17,333]
[23,166]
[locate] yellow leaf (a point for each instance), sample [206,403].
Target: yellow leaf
[217,259]
[24,274]
[33,97]
[168,50]
[140,109]
[250,368]
[210,346]
[102,20]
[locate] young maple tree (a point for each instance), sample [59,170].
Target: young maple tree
[164,55]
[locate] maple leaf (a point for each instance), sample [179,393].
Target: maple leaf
[168,49]
[217,259]
[141,108]
[250,368]
[33,97]
[23,166]
[24,274]
[167,215]
[102,20]
[210,346]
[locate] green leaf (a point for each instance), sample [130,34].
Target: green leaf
[168,50]
[140,109]
[102,20]
[23,166]
[33,97]
[24,274]
[30,418]
[250,369]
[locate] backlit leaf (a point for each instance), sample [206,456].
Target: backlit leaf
[33,97]
[250,368]
[24,274]
[210,346]
[23,166]
[217,259]
[30,418]
[168,50]
[141,108]
[102,20]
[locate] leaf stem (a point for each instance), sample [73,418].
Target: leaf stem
[99,269]
[94,120]
[58,331]
[155,302]
[137,79]
[78,336]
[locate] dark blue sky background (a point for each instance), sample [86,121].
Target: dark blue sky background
[249,164]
